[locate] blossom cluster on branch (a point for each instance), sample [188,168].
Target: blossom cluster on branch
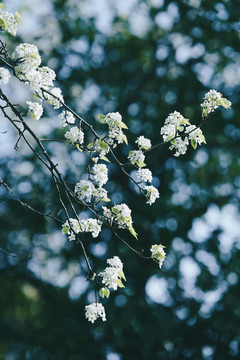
[89,192]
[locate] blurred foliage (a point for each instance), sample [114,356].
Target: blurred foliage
[157,57]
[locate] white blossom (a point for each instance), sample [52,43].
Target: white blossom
[144,175]
[115,262]
[4,75]
[94,311]
[75,135]
[115,124]
[89,225]
[152,194]
[66,117]
[28,56]
[180,146]
[85,190]
[210,101]
[93,226]
[158,253]
[56,99]
[107,213]
[173,124]
[122,215]
[143,143]
[136,157]
[112,275]
[8,21]
[100,172]
[195,136]
[35,110]
[100,193]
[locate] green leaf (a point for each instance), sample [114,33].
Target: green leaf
[125,139]
[194,143]
[124,126]
[18,17]
[103,145]
[140,164]
[224,102]
[105,159]
[121,275]
[133,232]
[79,148]
[106,199]
[202,137]
[115,211]
[107,292]
[2,6]
[101,118]
[119,282]
[64,230]
[102,292]
[90,145]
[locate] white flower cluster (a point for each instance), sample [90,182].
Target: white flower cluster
[35,110]
[121,214]
[112,275]
[75,135]
[136,157]
[102,148]
[180,146]
[173,124]
[85,189]
[37,77]
[100,172]
[94,311]
[90,225]
[210,101]
[143,143]
[173,129]
[144,175]
[195,136]
[4,75]
[66,118]
[152,194]
[8,21]
[158,253]
[115,124]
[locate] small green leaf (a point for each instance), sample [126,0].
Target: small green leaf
[105,159]
[121,275]
[107,292]
[140,164]
[106,199]
[202,137]
[224,102]
[79,148]
[124,126]
[103,145]
[64,230]
[101,118]
[18,17]
[133,232]
[2,6]
[125,139]
[102,292]
[115,211]
[90,145]
[194,143]
[119,282]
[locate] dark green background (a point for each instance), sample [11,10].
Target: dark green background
[38,318]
